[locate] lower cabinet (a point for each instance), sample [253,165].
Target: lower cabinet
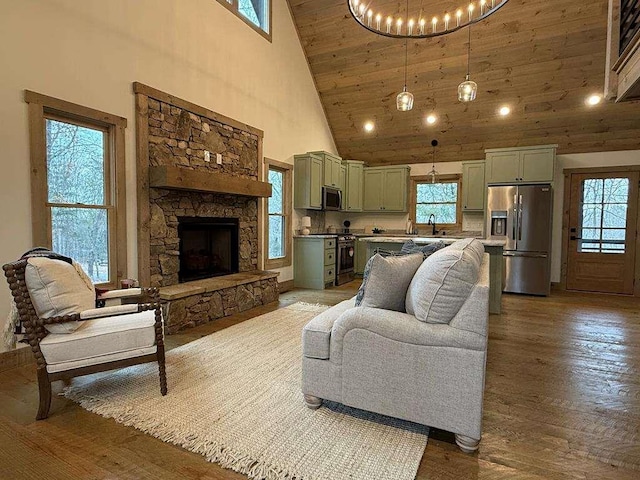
[314,262]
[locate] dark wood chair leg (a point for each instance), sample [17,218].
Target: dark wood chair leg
[163,372]
[44,386]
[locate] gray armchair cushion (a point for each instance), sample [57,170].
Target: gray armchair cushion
[386,280]
[444,281]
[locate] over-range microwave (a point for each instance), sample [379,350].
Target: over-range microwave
[331,198]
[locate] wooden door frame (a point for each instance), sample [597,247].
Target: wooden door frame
[565,220]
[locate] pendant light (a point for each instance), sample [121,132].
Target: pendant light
[433,173]
[404,100]
[467,90]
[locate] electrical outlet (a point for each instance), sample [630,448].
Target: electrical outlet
[219,158]
[207,156]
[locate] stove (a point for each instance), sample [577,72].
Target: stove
[345,258]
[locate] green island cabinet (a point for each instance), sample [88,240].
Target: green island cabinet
[473,186]
[314,262]
[385,189]
[332,165]
[307,181]
[521,164]
[352,193]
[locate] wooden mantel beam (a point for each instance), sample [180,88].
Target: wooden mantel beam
[179,178]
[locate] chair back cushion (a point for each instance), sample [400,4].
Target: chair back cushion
[444,281]
[385,281]
[56,289]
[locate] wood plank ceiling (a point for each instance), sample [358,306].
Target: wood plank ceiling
[542,58]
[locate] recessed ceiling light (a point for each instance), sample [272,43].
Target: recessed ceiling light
[504,111]
[369,127]
[431,119]
[594,99]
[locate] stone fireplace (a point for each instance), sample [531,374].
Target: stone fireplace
[199,220]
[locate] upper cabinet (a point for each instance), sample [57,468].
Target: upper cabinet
[308,174]
[332,168]
[385,189]
[473,186]
[352,193]
[520,165]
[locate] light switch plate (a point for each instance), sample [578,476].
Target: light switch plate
[207,156]
[219,158]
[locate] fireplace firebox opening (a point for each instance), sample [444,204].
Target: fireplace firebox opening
[209,247]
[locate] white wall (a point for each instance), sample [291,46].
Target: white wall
[90,51]
[579,160]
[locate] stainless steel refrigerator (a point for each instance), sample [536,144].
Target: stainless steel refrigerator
[521,215]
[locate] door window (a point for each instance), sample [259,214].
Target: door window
[604,215]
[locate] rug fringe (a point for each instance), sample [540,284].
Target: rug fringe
[213,451]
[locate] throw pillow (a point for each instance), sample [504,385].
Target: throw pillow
[56,289]
[410,247]
[443,283]
[386,280]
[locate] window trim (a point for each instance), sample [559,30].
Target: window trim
[450,178]
[233,8]
[42,107]
[287,169]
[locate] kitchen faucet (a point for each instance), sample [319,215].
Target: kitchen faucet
[433,224]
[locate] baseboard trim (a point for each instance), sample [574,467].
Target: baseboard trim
[285,286]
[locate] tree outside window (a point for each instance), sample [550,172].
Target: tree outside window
[440,199]
[77,190]
[256,13]
[279,206]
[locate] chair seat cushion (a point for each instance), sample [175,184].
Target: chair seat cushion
[316,335]
[102,336]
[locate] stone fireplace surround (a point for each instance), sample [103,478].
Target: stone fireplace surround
[173,134]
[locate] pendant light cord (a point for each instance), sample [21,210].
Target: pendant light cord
[469,54]
[406,50]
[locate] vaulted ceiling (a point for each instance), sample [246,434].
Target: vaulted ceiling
[540,57]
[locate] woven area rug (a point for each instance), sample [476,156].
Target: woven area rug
[234,397]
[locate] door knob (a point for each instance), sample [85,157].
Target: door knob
[573,237]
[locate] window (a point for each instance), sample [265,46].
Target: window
[77,157]
[278,237]
[256,13]
[440,199]
[604,215]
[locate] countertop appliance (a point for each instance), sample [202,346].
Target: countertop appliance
[521,215]
[331,198]
[345,258]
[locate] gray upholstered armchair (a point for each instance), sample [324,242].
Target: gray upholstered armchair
[426,370]
[68,336]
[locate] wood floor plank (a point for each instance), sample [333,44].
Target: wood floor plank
[562,401]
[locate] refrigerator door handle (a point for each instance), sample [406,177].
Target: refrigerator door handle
[520,219]
[528,255]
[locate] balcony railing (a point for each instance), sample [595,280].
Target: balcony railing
[629,22]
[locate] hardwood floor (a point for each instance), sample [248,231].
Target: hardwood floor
[562,400]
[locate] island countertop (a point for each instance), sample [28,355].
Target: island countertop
[425,240]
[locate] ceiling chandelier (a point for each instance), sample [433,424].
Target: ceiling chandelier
[421,24]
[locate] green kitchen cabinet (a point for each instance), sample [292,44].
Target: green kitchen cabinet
[385,189]
[307,181]
[473,186]
[314,262]
[521,165]
[332,166]
[361,257]
[353,187]
[343,178]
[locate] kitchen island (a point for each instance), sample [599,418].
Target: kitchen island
[492,247]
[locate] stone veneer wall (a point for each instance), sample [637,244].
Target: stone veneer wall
[179,137]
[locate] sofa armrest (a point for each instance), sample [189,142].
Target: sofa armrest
[400,327]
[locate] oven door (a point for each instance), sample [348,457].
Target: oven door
[346,262]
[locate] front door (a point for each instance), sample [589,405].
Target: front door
[602,232]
